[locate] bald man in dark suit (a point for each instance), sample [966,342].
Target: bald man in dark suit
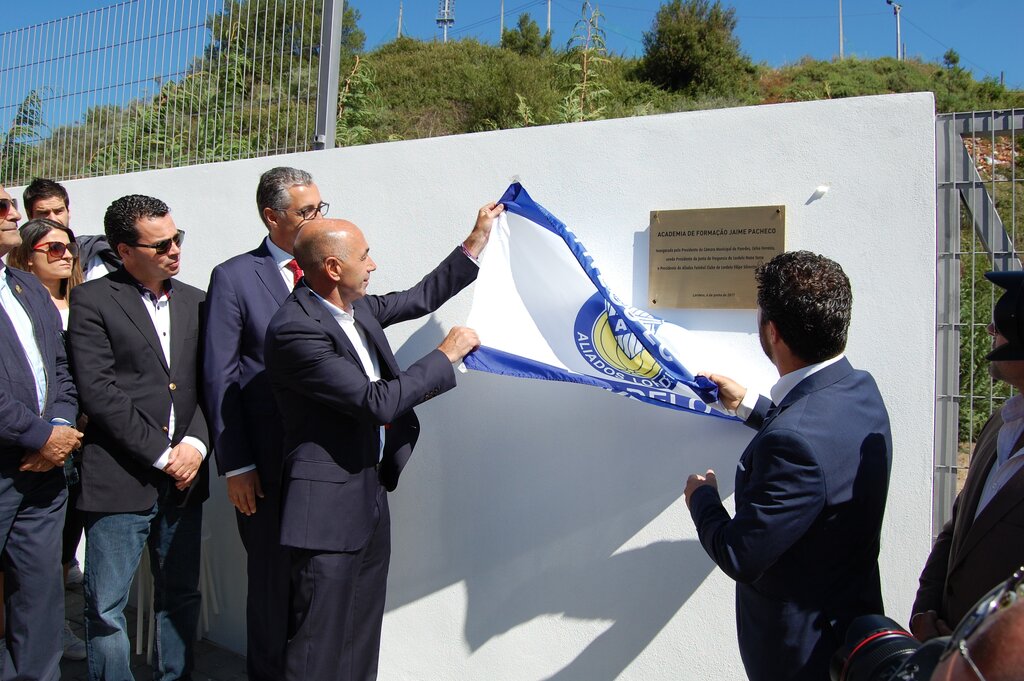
[347,409]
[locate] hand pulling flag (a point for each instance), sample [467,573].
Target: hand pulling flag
[542,310]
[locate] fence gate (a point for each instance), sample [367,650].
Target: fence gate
[979,168]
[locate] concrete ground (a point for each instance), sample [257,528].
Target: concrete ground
[212,663]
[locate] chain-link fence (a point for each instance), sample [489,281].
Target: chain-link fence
[980,202]
[147,84]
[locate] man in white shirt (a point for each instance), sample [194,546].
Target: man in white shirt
[984,539]
[810,487]
[349,430]
[134,344]
[38,403]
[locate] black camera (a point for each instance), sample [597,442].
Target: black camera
[879,649]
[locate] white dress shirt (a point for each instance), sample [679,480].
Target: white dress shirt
[159,309]
[371,366]
[26,336]
[282,258]
[783,386]
[1007,462]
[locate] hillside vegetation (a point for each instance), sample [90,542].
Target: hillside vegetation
[260,101]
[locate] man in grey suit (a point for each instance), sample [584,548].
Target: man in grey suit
[983,540]
[38,404]
[134,341]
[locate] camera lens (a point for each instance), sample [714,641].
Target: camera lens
[875,647]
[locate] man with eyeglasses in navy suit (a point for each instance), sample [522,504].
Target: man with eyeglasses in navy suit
[38,404]
[244,293]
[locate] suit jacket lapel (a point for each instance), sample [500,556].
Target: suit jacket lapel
[180,330]
[316,310]
[269,273]
[128,297]
[815,382]
[1010,495]
[378,343]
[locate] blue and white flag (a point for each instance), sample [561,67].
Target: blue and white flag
[542,310]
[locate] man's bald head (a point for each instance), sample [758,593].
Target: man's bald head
[997,648]
[320,239]
[336,260]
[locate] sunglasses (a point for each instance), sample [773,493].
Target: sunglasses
[55,250]
[6,205]
[162,247]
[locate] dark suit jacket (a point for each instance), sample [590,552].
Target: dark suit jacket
[971,555]
[332,412]
[803,545]
[245,425]
[22,427]
[126,390]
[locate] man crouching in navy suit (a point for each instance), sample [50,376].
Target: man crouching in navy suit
[347,411]
[811,485]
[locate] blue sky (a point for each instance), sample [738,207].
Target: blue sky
[986,33]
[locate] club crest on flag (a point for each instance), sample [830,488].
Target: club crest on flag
[606,343]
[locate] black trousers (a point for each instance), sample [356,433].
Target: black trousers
[337,607]
[266,607]
[31,518]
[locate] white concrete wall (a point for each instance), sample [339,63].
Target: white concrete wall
[540,530]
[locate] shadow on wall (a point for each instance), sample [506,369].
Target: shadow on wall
[542,486]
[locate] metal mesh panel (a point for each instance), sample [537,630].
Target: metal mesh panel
[147,84]
[980,213]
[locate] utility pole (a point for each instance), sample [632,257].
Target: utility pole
[549,17]
[445,16]
[399,20]
[501,24]
[840,30]
[896,7]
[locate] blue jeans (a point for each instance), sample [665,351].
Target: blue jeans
[113,549]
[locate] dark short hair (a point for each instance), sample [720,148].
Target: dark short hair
[272,190]
[42,188]
[809,299]
[121,216]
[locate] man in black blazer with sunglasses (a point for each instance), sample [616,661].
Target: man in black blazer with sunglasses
[134,341]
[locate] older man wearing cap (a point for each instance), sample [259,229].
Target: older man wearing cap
[984,539]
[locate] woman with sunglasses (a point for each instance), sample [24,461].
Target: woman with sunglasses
[49,251]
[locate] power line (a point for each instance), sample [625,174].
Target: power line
[496,17]
[948,47]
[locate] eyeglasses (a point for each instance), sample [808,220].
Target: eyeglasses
[310,212]
[162,247]
[55,250]
[962,648]
[6,205]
